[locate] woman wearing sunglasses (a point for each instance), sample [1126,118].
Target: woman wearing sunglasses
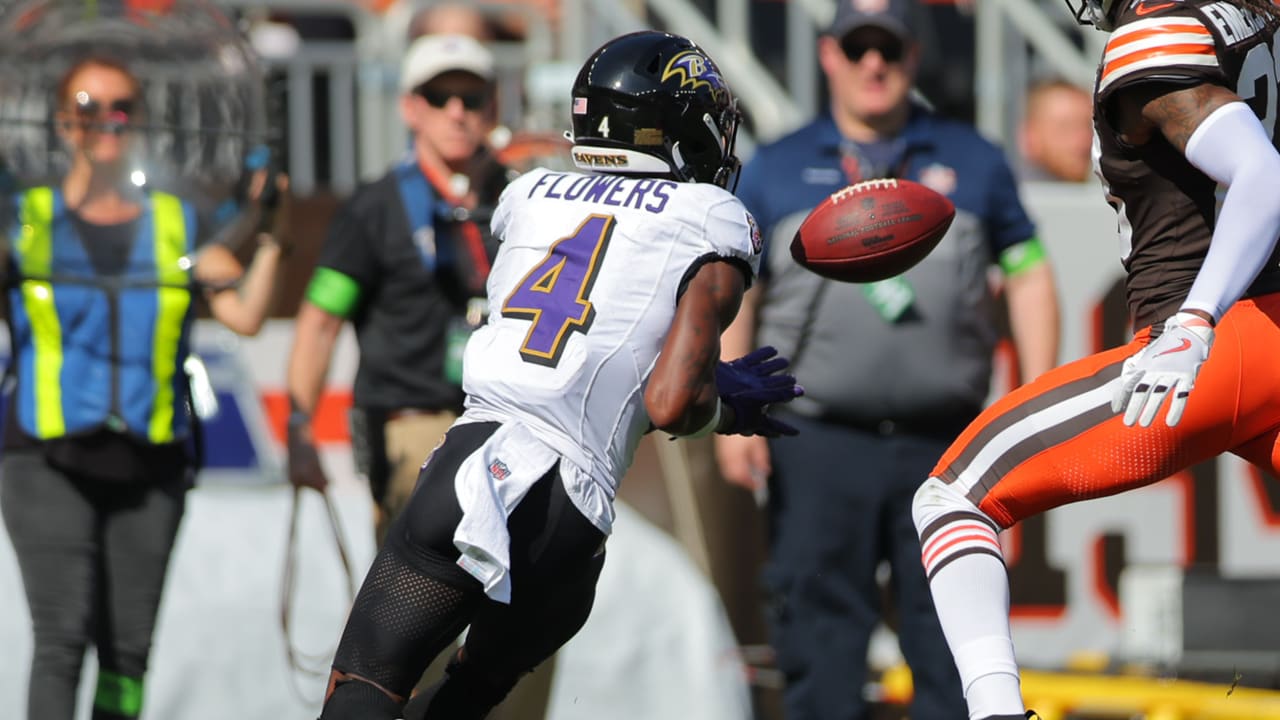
[103,278]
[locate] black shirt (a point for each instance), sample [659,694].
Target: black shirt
[406,307]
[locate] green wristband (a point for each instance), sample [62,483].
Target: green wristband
[333,292]
[1022,257]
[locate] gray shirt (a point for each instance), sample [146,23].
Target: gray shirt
[933,362]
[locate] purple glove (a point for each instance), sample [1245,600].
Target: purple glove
[749,385]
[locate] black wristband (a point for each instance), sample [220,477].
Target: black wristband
[728,418]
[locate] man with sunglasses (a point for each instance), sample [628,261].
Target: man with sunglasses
[405,261]
[892,370]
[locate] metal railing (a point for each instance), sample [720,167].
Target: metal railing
[1004,29]
[365,134]
[1001,70]
[360,104]
[362,130]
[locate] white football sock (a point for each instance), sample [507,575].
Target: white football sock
[972,598]
[970,588]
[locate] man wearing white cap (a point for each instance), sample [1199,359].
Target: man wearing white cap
[446,81]
[405,261]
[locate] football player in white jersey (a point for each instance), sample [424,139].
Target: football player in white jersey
[608,297]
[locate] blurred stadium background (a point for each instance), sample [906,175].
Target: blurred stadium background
[1113,602]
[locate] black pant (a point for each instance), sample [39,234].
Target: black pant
[415,600]
[93,556]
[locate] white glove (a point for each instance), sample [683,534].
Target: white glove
[1170,363]
[204,399]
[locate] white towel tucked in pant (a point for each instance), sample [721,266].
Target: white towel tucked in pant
[489,485]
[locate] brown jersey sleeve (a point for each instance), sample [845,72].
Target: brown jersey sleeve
[1163,41]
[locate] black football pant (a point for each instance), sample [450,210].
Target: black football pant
[93,556]
[415,600]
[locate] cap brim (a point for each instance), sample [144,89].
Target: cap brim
[885,23]
[422,78]
[430,56]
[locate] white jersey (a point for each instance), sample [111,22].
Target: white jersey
[581,297]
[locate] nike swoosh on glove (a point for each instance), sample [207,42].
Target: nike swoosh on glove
[749,385]
[1166,366]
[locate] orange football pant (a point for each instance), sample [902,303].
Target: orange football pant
[1055,440]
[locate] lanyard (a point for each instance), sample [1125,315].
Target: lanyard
[472,240]
[858,165]
[893,296]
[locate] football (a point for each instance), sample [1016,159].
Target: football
[872,231]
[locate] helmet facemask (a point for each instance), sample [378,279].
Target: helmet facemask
[1094,12]
[714,162]
[727,175]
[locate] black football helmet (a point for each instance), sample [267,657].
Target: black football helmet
[652,103]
